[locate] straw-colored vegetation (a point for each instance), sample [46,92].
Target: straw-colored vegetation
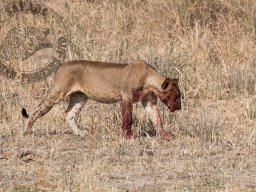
[210,45]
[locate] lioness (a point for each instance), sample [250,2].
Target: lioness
[110,83]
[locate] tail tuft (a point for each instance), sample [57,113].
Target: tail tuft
[24,113]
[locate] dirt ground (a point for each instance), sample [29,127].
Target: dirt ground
[53,159]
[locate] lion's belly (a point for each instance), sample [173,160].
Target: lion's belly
[103,97]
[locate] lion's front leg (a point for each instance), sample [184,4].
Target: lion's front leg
[149,103]
[126,111]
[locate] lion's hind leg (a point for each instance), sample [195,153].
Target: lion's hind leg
[77,101]
[54,97]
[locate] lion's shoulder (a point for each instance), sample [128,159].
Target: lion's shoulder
[138,66]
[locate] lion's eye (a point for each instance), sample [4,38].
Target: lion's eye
[177,96]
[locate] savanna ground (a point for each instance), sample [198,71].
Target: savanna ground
[210,45]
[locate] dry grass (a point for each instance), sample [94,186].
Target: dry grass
[209,45]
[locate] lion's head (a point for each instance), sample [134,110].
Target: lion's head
[170,94]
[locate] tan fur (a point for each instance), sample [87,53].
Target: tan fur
[106,83]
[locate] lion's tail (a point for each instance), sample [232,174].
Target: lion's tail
[24,113]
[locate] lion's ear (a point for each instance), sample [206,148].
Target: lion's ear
[169,82]
[175,82]
[165,84]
